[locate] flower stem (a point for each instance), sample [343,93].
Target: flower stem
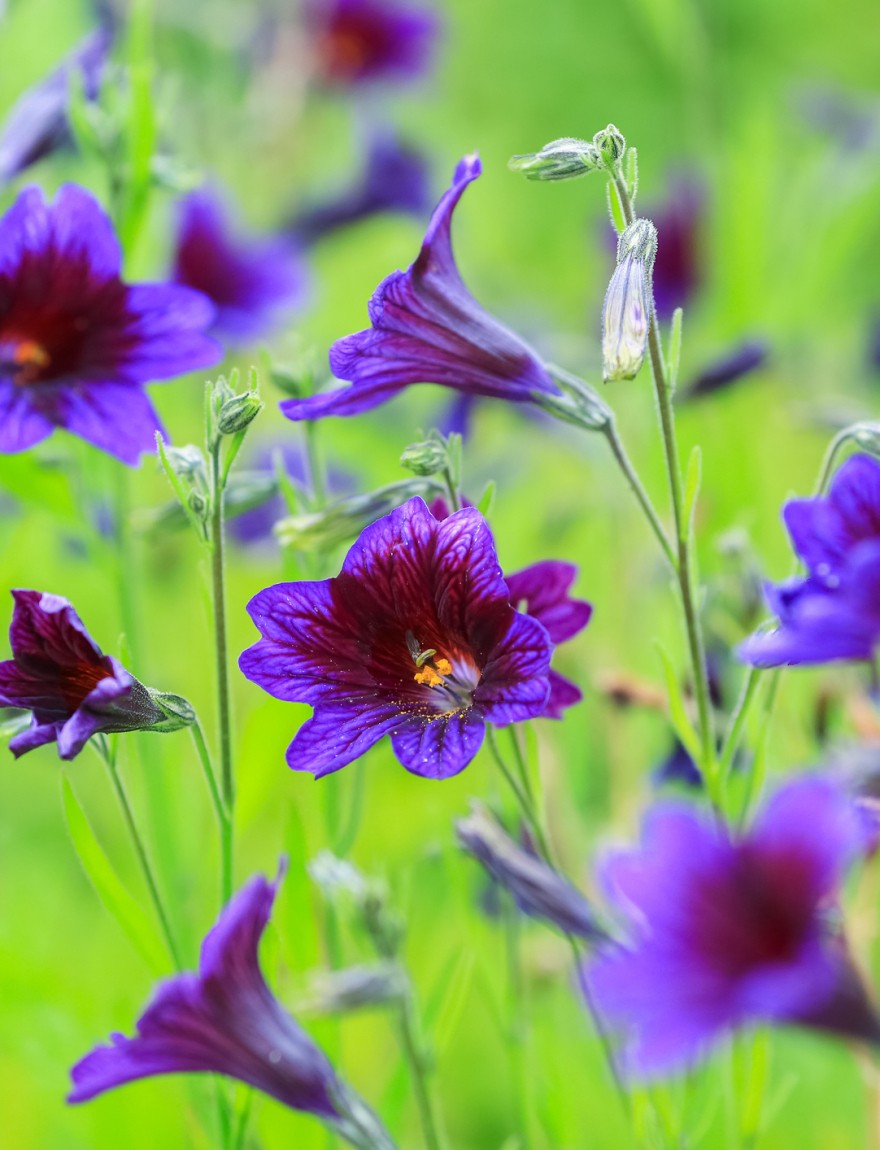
[518,1034]
[223,820]
[139,849]
[684,568]
[218,583]
[625,464]
[523,795]
[415,1057]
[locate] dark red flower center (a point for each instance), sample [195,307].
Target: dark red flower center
[350,46]
[77,682]
[451,685]
[41,346]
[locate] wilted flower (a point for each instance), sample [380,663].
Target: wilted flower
[252,282]
[37,124]
[57,671]
[225,1020]
[415,638]
[730,931]
[76,343]
[628,308]
[539,890]
[427,328]
[395,179]
[833,613]
[356,42]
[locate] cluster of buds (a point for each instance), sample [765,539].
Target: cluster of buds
[570,157]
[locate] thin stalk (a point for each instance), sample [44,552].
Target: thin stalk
[738,721]
[625,464]
[684,566]
[599,1026]
[415,1059]
[140,851]
[522,795]
[223,820]
[518,1034]
[830,459]
[218,582]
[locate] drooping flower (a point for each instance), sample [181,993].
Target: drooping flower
[58,672]
[395,179]
[415,638]
[37,123]
[356,42]
[427,328]
[225,1020]
[538,889]
[725,931]
[833,613]
[732,367]
[627,311]
[253,283]
[76,343]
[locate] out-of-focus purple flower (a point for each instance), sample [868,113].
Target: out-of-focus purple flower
[415,638]
[678,264]
[726,932]
[833,613]
[37,124]
[678,768]
[427,328]
[739,362]
[225,1020]
[357,42]
[538,889]
[58,672]
[76,343]
[395,179]
[542,592]
[253,283]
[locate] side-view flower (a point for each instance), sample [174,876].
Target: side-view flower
[428,328]
[725,931]
[415,638]
[76,343]
[58,672]
[834,612]
[225,1020]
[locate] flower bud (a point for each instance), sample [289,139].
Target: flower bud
[628,310]
[198,505]
[867,436]
[187,463]
[178,712]
[610,145]
[342,991]
[563,159]
[426,458]
[239,412]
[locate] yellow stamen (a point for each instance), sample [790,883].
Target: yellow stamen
[444,667]
[428,676]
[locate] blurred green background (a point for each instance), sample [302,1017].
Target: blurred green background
[756,101]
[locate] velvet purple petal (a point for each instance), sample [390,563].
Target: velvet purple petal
[338,735]
[439,748]
[542,592]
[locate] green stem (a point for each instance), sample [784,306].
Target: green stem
[828,462]
[738,721]
[415,1058]
[625,464]
[223,821]
[518,1034]
[140,851]
[218,577]
[526,803]
[684,566]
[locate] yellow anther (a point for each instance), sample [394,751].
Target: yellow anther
[428,677]
[444,667]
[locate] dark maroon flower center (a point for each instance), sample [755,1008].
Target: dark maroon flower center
[350,45]
[449,685]
[39,346]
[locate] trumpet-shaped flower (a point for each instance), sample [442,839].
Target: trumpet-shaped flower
[225,1020]
[833,613]
[725,931]
[415,638]
[357,42]
[58,672]
[76,343]
[253,283]
[427,328]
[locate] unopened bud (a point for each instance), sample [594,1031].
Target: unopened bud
[177,711]
[867,436]
[198,504]
[187,462]
[563,159]
[628,309]
[335,876]
[343,991]
[610,145]
[426,458]
[239,412]
[295,385]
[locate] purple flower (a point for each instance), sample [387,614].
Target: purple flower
[726,932]
[225,1020]
[415,638]
[541,591]
[427,328]
[739,362]
[253,283]
[76,343]
[37,124]
[833,613]
[395,179]
[58,672]
[358,41]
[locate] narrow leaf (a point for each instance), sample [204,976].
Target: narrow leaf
[615,208]
[677,710]
[692,484]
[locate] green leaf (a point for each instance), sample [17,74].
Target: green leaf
[632,174]
[673,359]
[677,710]
[692,485]
[38,485]
[487,499]
[128,913]
[615,208]
[445,1013]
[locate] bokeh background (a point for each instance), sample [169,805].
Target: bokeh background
[761,124]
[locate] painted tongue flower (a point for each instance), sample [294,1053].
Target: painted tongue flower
[58,672]
[225,1020]
[833,613]
[76,343]
[726,932]
[415,638]
[253,283]
[356,42]
[37,124]
[427,328]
